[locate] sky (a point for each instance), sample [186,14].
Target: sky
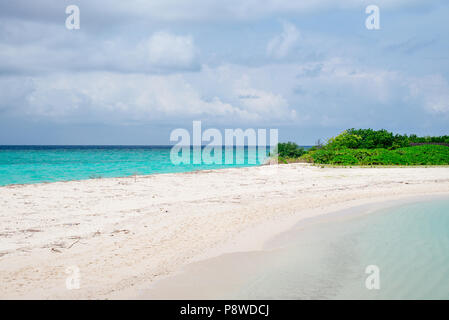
[136,70]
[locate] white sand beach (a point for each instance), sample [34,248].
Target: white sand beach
[123,234]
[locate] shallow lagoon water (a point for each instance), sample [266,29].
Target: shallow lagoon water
[327,259]
[409,244]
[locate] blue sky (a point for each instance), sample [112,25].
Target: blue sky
[136,70]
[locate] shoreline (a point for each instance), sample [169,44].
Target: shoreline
[125,235]
[265,235]
[13,185]
[318,165]
[220,274]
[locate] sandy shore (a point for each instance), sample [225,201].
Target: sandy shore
[123,234]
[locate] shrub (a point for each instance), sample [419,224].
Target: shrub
[367,139]
[370,147]
[307,157]
[417,155]
[344,140]
[289,150]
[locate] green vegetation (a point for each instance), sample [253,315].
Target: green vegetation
[417,155]
[290,150]
[372,139]
[371,147]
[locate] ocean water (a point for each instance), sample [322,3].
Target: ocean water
[33,164]
[328,259]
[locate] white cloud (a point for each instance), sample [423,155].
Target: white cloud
[155,53]
[169,50]
[432,91]
[142,98]
[281,45]
[14,91]
[338,93]
[262,102]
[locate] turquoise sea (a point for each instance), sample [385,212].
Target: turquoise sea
[33,164]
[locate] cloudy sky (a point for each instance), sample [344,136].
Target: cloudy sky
[135,70]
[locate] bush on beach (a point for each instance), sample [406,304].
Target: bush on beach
[417,155]
[370,147]
[289,150]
